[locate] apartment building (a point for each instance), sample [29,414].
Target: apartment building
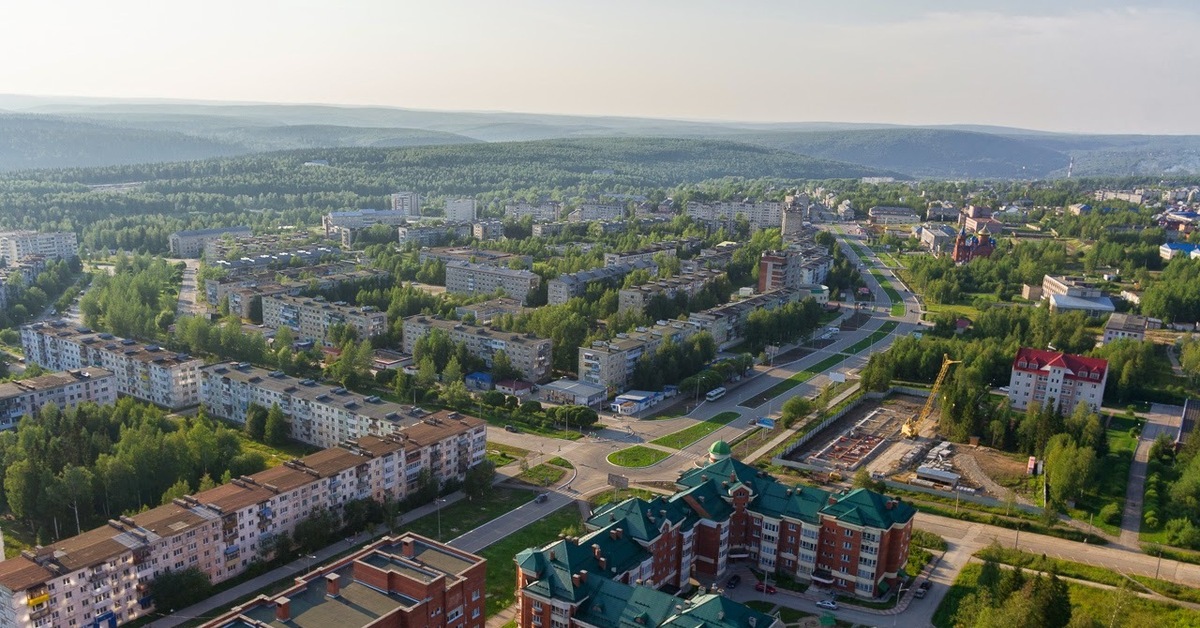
[66,389]
[406,203]
[406,580]
[636,298]
[570,285]
[432,235]
[242,291]
[142,371]
[474,255]
[937,239]
[335,222]
[727,322]
[885,215]
[590,212]
[308,256]
[648,254]
[190,243]
[528,353]
[468,278]
[487,310]
[718,256]
[610,363]
[547,212]
[312,318]
[548,229]
[724,514]
[15,245]
[246,245]
[1061,378]
[1120,326]
[488,230]
[461,210]
[761,215]
[101,577]
[793,268]
[795,215]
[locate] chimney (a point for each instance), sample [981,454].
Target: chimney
[891,503]
[333,586]
[406,548]
[551,555]
[575,579]
[596,550]
[583,575]
[612,534]
[283,609]
[832,500]
[732,476]
[603,563]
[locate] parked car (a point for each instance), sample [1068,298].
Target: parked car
[828,605]
[511,428]
[764,587]
[541,498]
[924,586]
[733,581]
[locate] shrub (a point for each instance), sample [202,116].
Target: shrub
[1110,514]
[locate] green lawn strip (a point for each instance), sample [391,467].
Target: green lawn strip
[928,540]
[276,455]
[502,571]
[876,336]
[898,309]
[501,454]
[466,514]
[761,606]
[542,475]
[887,286]
[637,456]
[561,462]
[620,495]
[1112,475]
[793,381]
[693,433]
[1089,605]
[16,537]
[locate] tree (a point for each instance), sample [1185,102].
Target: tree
[453,371]
[316,531]
[456,394]
[795,408]
[502,367]
[174,590]
[531,407]
[863,479]
[175,491]
[479,479]
[1069,468]
[276,428]
[256,422]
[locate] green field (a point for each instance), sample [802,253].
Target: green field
[1112,476]
[793,381]
[465,514]
[689,435]
[542,475]
[886,284]
[502,571]
[501,454]
[875,337]
[637,456]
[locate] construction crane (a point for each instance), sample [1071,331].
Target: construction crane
[910,427]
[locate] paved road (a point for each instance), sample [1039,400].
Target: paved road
[188,304]
[1162,419]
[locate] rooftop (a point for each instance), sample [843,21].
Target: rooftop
[108,342]
[48,381]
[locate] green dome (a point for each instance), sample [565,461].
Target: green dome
[720,449]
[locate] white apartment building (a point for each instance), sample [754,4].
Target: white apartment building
[610,363]
[646,254]
[407,203]
[65,390]
[589,212]
[1067,380]
[727,322]
[142,371]
[528,353]
[468,278]
[1124,326]
[636,298]
[101,577]
[570,285]
[548,212]
[311,318]
[461,210]
[15,245]
[762,215]
[190,244]
[488,230]
[335,222]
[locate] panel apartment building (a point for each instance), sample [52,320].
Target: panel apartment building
[761,215]
[15,245]
[610,363]
[528,353]
[142,371]
[318,414]
[1067,380]
[461,210]
[335,222]
[101,577]
[636,298]
[725,513]
[65,390]
[727,322]
[407,580]
[570,285]
[647,254]
[793,268]
[251,245]
[311,318]
[190,244]
[540,212]
[468,278]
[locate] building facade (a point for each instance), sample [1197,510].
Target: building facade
[1051,376]
[969,247]
[1124,326]
[406,203]
[432,235]
[65,390]
[611,363]
[461,210]
[885,215]
[635,299]
[142,371]
[312,318]
[15,245]
[589,212]
[190,244]
[335,222]
[646,254]
[760,215]
[570,285]
[468,278]
[530,355]
[727,322]
[540,212]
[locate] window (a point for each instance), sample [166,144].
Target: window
[475,595]
[847,545]
[849,532]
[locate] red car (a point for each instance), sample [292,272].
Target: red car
[770,590]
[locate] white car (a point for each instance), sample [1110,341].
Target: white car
[827,605]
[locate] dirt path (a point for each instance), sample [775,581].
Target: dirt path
[969,467]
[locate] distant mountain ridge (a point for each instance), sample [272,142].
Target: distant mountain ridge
[69,132]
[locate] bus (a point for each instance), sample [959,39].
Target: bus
[715,393]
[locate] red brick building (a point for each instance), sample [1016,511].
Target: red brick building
[969,247]
[397,582]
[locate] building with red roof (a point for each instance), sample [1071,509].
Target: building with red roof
[1052,376]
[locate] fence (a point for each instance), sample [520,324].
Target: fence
[812,433]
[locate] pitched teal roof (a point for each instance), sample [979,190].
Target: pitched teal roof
[799,502]
[612,604]
[868,508]
[716,611]
[552,576]
[640,518]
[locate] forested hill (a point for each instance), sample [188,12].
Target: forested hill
[936,153]
[28,142]
[609,163]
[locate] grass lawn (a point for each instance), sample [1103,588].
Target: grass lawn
[501,454]
[875,337]
[16,537]
[689,435]
[1101,605]
[561,462]
[886,284]
[542,475]
[898,309]
[277,455]
[466,515]
[637,456]
[502,571]
[793,381]
[1112,476]
[619,495]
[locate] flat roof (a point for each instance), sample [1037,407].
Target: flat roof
[582,389]
[144,352]
[8,390]
[475,330]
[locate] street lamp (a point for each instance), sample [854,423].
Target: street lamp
[438,504]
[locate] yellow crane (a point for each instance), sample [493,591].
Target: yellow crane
[910,427]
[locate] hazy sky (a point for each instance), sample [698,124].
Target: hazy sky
[1076,65]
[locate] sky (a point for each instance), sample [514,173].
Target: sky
[1075,65]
